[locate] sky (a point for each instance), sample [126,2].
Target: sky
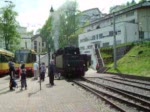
[33,13]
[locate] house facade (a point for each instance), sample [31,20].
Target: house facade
[25,42]
[130,25]
[38,44]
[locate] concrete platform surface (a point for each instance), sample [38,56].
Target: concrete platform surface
[62,97]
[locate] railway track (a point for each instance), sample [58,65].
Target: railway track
[141,92]
[132,81]
[116,98]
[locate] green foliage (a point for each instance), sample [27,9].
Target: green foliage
[135,62]
[8,27]
[46,33]
[142,1]
[69,24]
[107,53]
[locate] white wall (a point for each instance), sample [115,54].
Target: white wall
[126,32]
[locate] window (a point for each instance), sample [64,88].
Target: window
[89,47]
[42,44]
[4,58]
[111,33]
[97,36]
[35,43]
[118,42]
[93,37]
[106,44]
[132,21]
[98,27]
[35,46]
[87,52]
[100,35]
[118,32]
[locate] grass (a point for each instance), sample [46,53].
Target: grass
[135,62]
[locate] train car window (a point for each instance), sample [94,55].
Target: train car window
[33,57]
[5,58]
[29,58]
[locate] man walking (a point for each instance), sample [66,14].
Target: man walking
[36,70]
[52,72]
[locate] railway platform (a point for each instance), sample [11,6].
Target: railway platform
[62,97]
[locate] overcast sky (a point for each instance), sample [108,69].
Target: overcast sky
[33,13]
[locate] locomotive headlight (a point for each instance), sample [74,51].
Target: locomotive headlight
[68,64]
[83,64]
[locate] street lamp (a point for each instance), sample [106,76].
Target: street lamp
[48,45]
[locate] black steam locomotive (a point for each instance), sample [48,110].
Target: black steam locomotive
[70,63]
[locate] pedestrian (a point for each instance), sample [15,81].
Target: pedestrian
[42,71]
[36,70]
[21,63]
[23,77]
[11,65]
[52,72]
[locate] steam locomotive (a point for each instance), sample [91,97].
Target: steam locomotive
[70,63]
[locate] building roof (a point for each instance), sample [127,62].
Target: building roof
[125,10]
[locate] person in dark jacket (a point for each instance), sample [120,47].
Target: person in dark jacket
[23,77]
[52,72]
[11,65]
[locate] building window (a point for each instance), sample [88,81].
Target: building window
[26,44]
[111,33]
[97,36]
[35,43]
[35,46]
[100,36]
[106,44]
[132,21]
[118,32]
[118,42]
[42,44]
[93,37]
[90,46]
[98,27]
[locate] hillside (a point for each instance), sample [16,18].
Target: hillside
[135,62]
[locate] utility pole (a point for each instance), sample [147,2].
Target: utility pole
[114,46]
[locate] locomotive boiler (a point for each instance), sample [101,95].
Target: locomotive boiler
[70,63]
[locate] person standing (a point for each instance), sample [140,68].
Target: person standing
[23,77]
[11,65]
[36,70]
[42,71]
[52,72]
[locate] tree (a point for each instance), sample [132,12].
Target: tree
[142,1]
[46,33]
[69,24]
[8,27]
[64,25]
[133,2]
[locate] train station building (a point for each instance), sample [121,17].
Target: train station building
[131,24]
